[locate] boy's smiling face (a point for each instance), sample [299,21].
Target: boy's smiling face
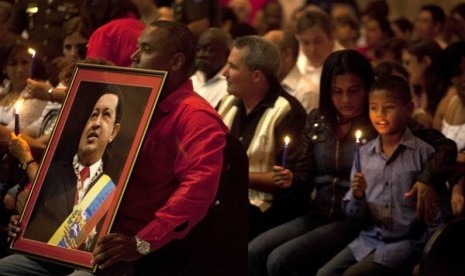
[388,114]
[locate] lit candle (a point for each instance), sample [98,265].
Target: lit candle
[287,140]
[358,166]
[18,106]
[33,54]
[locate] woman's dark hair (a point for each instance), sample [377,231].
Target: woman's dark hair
[387,68]
[392,45]
[428,48]
[449,63]
[9,50]
[95,13]
[403,24]
[340,63]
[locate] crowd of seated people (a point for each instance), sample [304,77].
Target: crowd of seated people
[314,73]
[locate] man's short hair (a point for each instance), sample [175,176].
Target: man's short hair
[262,55]
[179,39]
[221,35]
[437,13]
[395,85]
[290,42]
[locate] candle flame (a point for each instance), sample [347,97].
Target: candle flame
[32,52]
[358,134]
[19,105]
[287,140]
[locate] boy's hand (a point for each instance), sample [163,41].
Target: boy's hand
[358,185]
[427,201]
[282,177]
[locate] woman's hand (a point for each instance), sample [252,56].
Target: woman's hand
[19,148]
[37,90]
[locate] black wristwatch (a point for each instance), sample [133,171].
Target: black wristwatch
[25,165]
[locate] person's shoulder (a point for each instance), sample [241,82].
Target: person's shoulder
[295,105]
[417,142]
[190,102]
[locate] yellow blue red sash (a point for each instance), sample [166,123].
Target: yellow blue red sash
[85,215]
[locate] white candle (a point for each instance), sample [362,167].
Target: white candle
[33,54]
[18,106]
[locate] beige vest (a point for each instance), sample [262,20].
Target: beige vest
[261,151]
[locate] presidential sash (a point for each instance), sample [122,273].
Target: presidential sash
[85,215]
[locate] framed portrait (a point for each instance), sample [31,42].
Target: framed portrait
[88,162]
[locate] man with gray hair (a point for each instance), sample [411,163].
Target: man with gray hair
[261,114]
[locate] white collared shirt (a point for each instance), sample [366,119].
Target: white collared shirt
[311,72]
[93,173]
[302,88]
[212,90]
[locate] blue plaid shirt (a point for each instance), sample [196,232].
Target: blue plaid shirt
[393,232]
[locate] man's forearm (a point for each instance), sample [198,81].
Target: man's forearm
[262,182]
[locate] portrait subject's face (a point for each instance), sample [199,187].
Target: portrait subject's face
[99,130]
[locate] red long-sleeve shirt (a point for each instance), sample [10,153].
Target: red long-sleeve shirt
[176,176]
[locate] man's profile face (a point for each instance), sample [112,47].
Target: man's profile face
[238,75]
[99,130]
[151,52]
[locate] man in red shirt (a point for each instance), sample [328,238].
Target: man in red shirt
[176,176]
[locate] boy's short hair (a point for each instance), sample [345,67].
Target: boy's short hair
[395,85]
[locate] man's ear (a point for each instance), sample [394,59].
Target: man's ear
[257,75]
[115,132]
[177,62]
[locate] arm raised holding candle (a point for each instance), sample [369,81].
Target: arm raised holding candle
[44,91]
[358,185]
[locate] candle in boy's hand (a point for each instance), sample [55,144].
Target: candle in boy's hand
[287,140]
[32,52]
[358,166]
[18,106]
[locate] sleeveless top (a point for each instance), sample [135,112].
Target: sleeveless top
[454,132]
